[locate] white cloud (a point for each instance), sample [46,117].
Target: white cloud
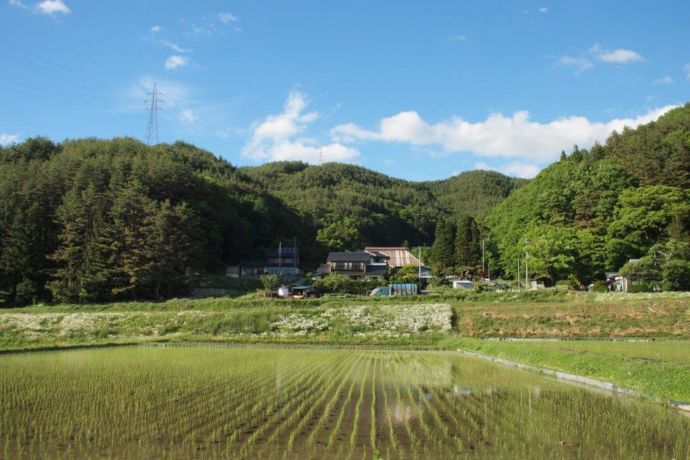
[188,116]
[175,94]
[515,169]
[52,7]
[687,70]
[617,56]
[18,4]
[156,29]
[8,139]
[175,47]
[667,80]
[280,137]
[544,9]
[499,135]
[175,61]
[226,17]
[580,63]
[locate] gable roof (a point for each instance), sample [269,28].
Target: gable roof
[399,256]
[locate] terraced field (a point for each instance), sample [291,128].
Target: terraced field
[145,402]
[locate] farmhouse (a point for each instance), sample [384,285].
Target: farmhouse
[282,261]
[372,263]
[401,257]
[359,265]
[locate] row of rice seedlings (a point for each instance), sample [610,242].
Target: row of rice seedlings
[341,415]
[358,408]
[249,402]
[331,404]
[290,411]
[344,368]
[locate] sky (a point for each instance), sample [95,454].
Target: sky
[416,90]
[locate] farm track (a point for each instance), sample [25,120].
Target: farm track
[277,403]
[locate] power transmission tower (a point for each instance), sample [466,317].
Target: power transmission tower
[152,130]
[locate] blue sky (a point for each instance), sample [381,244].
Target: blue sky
[417,90]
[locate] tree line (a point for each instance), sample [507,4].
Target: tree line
[99,220]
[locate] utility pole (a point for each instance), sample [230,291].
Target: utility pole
[527,286]
[419,259]
[152,130]
[280,255]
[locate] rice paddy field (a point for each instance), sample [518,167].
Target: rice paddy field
[272,402]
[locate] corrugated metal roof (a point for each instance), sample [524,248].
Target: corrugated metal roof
[399,256]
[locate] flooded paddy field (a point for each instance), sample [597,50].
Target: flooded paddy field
[145,402]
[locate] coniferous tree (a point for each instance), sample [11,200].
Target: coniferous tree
[443,249]
[467,246]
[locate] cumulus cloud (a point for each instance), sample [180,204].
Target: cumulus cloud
[281,137]
[51,7]
[544,9]
[8,139]
[18,4]
[514,169]
[188,116]
[226,17]
[499,135]
[687,70]
[156,29]
[175,61]
[617,56]
[667,80]
[580,63]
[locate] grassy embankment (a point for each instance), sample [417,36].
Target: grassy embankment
[660,368]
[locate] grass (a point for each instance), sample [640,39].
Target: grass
[591,318]
[137,402]
[659,368]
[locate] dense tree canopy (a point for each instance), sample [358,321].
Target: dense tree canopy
[594,210]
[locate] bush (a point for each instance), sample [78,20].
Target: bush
[676,276]
[599,286]
[271,283]
[337,284]
[642,286]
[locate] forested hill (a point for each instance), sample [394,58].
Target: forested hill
[594,210]
[93,220]
[473,193]
[373,208]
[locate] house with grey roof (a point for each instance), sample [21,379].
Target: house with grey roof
[356,265]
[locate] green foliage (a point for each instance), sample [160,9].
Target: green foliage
[473,193]
[338,284]
[405,274]
[593,211]
[443,249]
[676,275]
[467,245]
[341,236]
[270,282]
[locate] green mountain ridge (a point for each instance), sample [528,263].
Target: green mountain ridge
[93,220]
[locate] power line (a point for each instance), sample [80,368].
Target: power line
[16,52]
